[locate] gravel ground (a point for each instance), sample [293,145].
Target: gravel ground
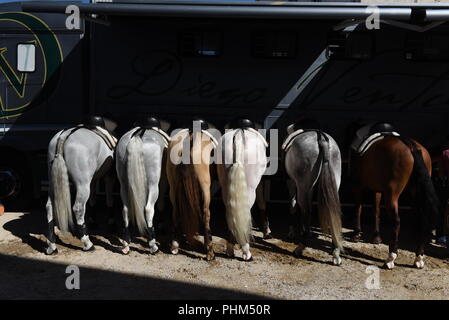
[27,273]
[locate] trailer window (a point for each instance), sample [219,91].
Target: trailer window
[274,44]
[26,57]
[354,45]
[201,43]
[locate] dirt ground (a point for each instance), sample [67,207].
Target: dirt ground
[27,273]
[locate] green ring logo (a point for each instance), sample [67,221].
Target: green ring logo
[51,52]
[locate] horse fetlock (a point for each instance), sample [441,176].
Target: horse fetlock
[246,253]
[389,263]
[419,261]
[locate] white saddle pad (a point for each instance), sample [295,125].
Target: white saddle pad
[289,140]
[368,142]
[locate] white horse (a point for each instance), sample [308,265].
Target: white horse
[139,164]
[244,161]
[312,159]
[80,154]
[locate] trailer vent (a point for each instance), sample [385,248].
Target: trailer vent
[274,44]
[354,45]
[200,43]
[431,47]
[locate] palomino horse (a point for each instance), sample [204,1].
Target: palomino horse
[243,162]
[387,163]
[81,154]
[188,175]
[313,160]
[139,156]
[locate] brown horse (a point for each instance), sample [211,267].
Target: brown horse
[190,183]
[387,168]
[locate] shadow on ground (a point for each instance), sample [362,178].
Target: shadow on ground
[35,279]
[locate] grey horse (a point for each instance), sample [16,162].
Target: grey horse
[139,164]
[313,160]
[80,155]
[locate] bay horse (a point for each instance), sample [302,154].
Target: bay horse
[81,155]
[139,155]
[243,162]
[313,161]
[189,179]
[389,166]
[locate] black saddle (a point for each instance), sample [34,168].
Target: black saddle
[241,123]
[150,122]
[381,127]
[306,124]
[92,121]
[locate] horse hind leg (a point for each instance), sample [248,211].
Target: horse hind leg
[262,206]
[126,235]
[393,210]
[208,244]
[79,209]
[109,181]
[51,236]
[149,215]
[376,238]
[304,211]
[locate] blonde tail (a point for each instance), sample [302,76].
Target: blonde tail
[238,213]
[137,184]
[61,189]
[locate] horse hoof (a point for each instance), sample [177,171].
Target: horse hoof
[389,264]
[299,250]
[336,261]
[356,237]
[377,240]
[154,249]
[247,257]
[50,251]
[89,249]
[210,256]
[125,250]
[267,236]
[419,262]
[174,251]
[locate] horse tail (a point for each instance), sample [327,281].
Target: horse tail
[137,183]
[60,188]
[329,208]
[188,199]
[426,189]
[238,214]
